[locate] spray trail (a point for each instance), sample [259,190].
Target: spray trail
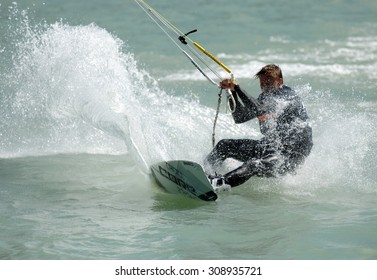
[78,89]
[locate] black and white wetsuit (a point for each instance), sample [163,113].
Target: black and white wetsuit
[287,140]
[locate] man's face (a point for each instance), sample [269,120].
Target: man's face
[268,84]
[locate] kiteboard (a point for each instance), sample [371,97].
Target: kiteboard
[183,177]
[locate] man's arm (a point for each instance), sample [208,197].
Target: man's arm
[247,108]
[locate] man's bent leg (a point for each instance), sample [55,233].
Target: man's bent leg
[262,168]
[239,149]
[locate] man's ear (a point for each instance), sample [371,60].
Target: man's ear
[281,82]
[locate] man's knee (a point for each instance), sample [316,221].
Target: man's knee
[224,144]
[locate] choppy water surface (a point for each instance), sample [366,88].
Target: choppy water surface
[91,94]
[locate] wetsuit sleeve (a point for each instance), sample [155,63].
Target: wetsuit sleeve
[247,107]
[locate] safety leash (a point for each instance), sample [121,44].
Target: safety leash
[216,117]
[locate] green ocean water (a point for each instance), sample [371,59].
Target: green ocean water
[92,93]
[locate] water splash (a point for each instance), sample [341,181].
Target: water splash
[344,148]
[78,89]
[59,88]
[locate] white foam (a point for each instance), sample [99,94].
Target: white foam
[355,56]
[77,89]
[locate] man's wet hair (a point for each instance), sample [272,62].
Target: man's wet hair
[270,70]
